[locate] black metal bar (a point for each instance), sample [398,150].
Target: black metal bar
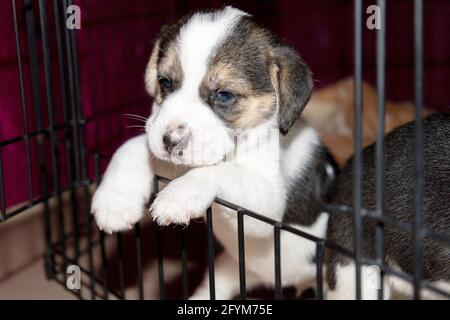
[320,249]
[241,246]
[381,67]
[89,231]
[104,266]
[120,262]
[24,104]
[34,66]
[184,264]
[41,133]
[34,63]
[77,115]
[88,222]
[211,254]
[104,271]
[51,120]
[277,258]
[59,16]
[357,164]
[72,96]
[418,145]
[159,252]
[69,134]
[140,276]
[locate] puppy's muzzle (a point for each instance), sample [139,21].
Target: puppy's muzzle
[176,139]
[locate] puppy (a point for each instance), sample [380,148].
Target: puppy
[223,88]
[399,204]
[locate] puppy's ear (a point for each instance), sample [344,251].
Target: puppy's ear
[292,80]
[151,72]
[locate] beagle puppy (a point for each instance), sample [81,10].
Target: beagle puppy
[224,123]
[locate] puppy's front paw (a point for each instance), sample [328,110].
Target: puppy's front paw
[117,208]
[183,199]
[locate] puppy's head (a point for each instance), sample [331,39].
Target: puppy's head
[217,73]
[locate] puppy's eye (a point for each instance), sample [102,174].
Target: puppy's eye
[225,97]
[166,83]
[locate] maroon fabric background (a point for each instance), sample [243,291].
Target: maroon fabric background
[116,39]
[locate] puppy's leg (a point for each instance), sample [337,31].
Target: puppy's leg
[345,288]
[126,187]
[189,196]
[226,280]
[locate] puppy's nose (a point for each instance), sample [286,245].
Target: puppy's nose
[177,138]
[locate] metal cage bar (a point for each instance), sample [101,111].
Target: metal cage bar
[23,103]
[358,166]
[211,255]
[159,251]
[418,145]
[241,249]
[36,94]
[184,263]
[49,85]
[120,263]
[381,66]
[277,259]
[140,276]
[320,252]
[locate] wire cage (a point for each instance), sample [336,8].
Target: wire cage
[61,169]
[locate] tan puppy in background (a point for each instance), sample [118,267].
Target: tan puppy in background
[331,112]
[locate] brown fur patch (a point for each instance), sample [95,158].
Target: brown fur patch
[165,63]
[223,76]
[164,60]
[243,64]
[251,108]
[255,110]
[169,67]
[151,71]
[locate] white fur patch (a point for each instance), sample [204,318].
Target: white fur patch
[198,39]
[299,145]
[119,201]
[209,139]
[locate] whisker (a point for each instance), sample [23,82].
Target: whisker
[159,48]
[133,116]
[142,127]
